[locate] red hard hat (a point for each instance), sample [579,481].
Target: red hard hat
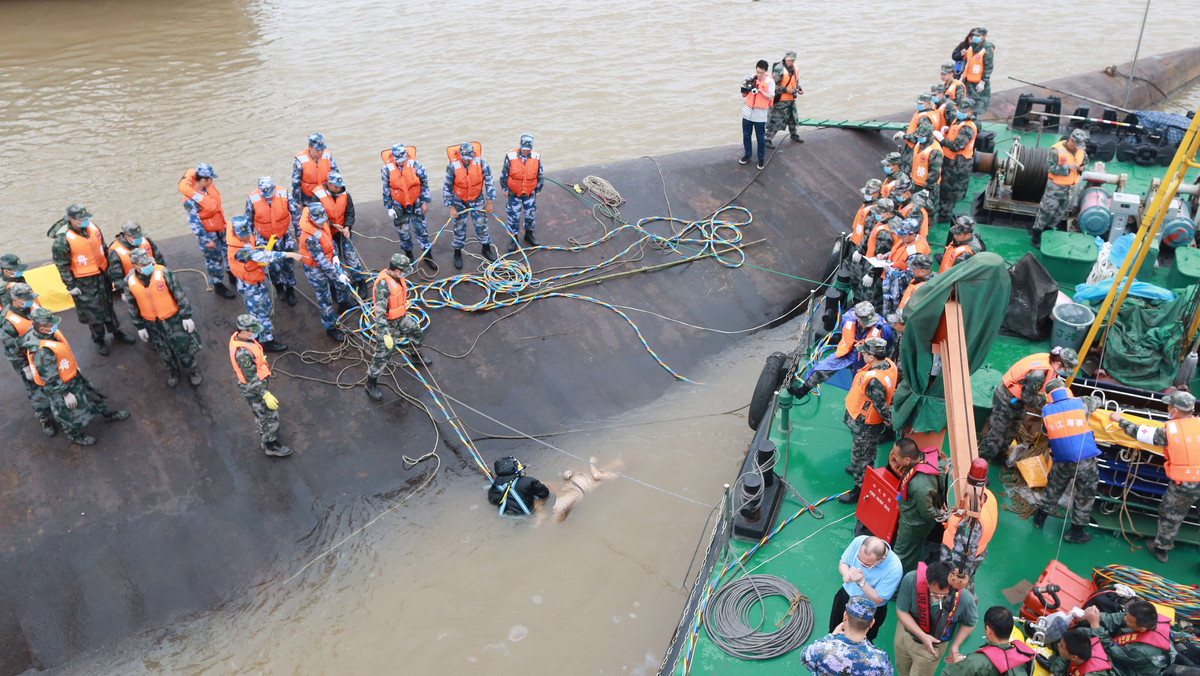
[978,474]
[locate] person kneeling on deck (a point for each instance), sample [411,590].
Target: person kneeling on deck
[922,499]
[1066,162]
[846,650]
[1073,449]
[1022,387]
[870,570]
[933,617]
[859,324]
[1179,437]
[1079,655]
[869,410]
[1000,656]
[393,324]
[1136,640]
[512,491]
[966,537]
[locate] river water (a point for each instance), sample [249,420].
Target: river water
[106,103]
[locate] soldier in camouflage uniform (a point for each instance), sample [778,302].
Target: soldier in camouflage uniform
[482,204]
[131,237]
[521,204]
[956,171]
[1008,411]
[393,324]
[212,244]
[281,272]
[413,215]
[76,401]
[324,271]
[865,444]
[877,244]
[1118,634]
[907,140]
[926,136]
[256,295]
[1086,474]
[1180,495]
[253,373]
[891,171]
[11,274]
[953,88]
[15,325]
[783,111]
[1056,200]
[174,337]
[314,153]
[980,91]
[91,292]
[918,269]
[965,554]
[962,243]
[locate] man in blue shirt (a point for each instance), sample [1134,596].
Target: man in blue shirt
[846,651]
[869,569]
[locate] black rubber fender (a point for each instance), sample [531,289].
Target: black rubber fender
[768,383]
[836,255]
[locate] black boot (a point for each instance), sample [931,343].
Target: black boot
[48,427]
[1035,239]
[223,291]
[1160,554]
[799,392]
[429,262]
[232,280]
[122,335]
[488,252]
[1039,518]
[336,334]
[458,259]
[408,254]
[81,439]
[373,388]
[274,449]
[512,246]
[529,238]
[274,346]
[797,139]
[280,290]
[416,356]
[289,295]
[1077,535]
[851,497]
[173,380]
[115,416]
[102,347]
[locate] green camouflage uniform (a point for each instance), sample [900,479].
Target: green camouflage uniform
[933,181]
[918,516]
[977,664]
[864,446]
[1176,502]
[1057,199]
[14,352]
[252,391]
[117,274]
[983,98]
[398,329]
[93,305]
[5,296]
[1007,416]
[1134,658]
[956,174]
[1086,473]
[783,113]
[965,554]
[959,92]
[90,402]
[175,346]
[873,294]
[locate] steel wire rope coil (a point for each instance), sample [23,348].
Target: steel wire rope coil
[726,618]
[1030,181]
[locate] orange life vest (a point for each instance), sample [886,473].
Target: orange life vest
[313,174]
[756,98]
[1038,361]
[1159,637]
[920,162]
[989,513]
[973,70]
[324,237]
[849,340]
[933,116]
[908,209]
[210,212]
[335,205]
[1064,157]
[468,181]
[968,151]
[952,89]
[522,172]
[857,401]
[249,272]
[21,323]
[901,251]
[951,254]
[786,81]
[1098,662]
[261,368]
[271,219]
[67,367]
[403,182]
[154,302]
[87,253]
[118,247]
[886,189]
[908,292]
[858,228]
[1183,450]
[397,295]
[879,227]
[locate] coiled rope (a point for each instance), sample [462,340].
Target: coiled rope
[1185,599]
[729,609]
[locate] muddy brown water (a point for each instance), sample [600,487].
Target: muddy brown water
[107,104]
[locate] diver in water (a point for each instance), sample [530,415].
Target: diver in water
[512,491]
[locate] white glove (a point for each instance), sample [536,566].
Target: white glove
[938,135]
[70,401]
[344,279]
[868,280]
[189,325]
[856,257]
[898,136]
[392,213]
[74,291]
[337,262]
[144,335]
[979,86]
[28,371]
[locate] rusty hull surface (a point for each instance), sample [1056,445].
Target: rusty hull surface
[175,509]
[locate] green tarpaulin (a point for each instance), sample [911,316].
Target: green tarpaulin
[1143,347]
[982,285]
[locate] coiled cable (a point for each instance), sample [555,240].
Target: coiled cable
[726,619]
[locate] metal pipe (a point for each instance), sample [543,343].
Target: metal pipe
[1099,177]
[1138,48]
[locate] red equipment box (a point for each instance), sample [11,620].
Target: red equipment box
[1074,592]
[878,508]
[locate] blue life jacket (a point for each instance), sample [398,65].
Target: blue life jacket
[1066,421]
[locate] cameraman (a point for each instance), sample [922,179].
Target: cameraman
[759,90]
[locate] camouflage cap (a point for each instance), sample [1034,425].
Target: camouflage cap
[131,230]
[43,317]
[860,608]
[979,30]
[886,204]
[140,258]
[920,262]
[466,150]
[872,185]
[904,183]
[266,183]
[789,54]
[921,197]
[965,105]
[1056,384]
[947,69]
[335,179]
[906,227]
[936,90]
[1184,401]
[875,346]
[12,262]
[205,171]
[891,158]
[924,128]
[78,212]
[526,140]
[316,211]
[316,141]
[924,98]
[22,291]
[865,312]
[896,318]
[399,151]
[241,227]
[399,262]
[965,221]
[1068,356]
[247,322]
[1079,137]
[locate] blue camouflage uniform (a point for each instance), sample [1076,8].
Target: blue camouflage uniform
[257,297]
[521,205]
[478,217]
[298,196]
[280,271]
[412,216]
[323,273]
[212,244]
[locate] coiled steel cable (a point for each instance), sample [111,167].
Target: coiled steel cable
[726,619]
